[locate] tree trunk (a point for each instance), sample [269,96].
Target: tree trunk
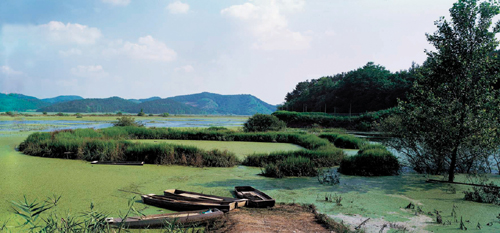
[453,164]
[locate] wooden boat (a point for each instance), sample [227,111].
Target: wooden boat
[183,205]
[135,163]
[204,197]
[159,220]
[255,197]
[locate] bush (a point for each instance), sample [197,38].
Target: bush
[119,113]
[490,193]
[60,114]
[9,113]
[126,121]
[141,113]
[291,166]
[79,115]
[345,141]
[370,162]
[262,123]
[165,114]
[44,113]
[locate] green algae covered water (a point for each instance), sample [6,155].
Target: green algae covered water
[382,199]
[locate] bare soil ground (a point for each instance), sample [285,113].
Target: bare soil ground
[281,218]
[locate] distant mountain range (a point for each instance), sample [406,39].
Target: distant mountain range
[201,103]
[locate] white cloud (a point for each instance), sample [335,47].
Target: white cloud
[73,33]
[92,71]
[117,2]
[147,48]
[187,68]
[9,71]
[178,7]
[70,52]
[266,22]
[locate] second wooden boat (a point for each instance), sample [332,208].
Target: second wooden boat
[255,197]
[180,204]
[161,220]
[204,197]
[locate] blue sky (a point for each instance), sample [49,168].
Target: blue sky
[139,49]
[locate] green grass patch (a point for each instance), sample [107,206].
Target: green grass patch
[240,149]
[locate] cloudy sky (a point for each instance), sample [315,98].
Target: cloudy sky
[144,48]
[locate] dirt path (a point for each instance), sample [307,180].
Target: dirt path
[281,218]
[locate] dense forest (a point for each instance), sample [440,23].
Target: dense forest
[369,88]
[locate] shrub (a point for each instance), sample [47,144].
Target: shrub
[291,166]
[370,162]
[60,114]
[165,114]
[44,113]
[119,113]
[79,115]
[141,113]
[345,141]
[126,121]
[489,193]
[9,113]
[151,114]
[262,122]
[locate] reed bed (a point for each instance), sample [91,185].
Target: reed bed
[345,141]
[110,144]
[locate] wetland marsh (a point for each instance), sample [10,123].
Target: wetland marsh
[383,199]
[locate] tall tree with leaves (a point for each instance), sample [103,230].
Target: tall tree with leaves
[450,122]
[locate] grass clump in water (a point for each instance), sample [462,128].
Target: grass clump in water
[371,161]
[291,166]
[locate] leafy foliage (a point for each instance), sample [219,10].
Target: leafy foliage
[126,121]
[307,119]
[450,121]
[262,123]
[370,88]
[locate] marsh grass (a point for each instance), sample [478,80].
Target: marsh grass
[110,144]
[345,141]
[371,161]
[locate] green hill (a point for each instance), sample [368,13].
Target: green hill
[112,104]
[226,104]
[164,105]
[138,101]
[61,99]
[19,102]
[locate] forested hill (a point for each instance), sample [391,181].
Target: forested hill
[226,104]
[18,102]
[202,103]
[370,88]
[62,98]
[90,105]
[164,106]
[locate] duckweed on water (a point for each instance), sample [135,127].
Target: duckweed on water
[366,197]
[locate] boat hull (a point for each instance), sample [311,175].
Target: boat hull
[160,220]
[256,198]
[203,197]
[184,205]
